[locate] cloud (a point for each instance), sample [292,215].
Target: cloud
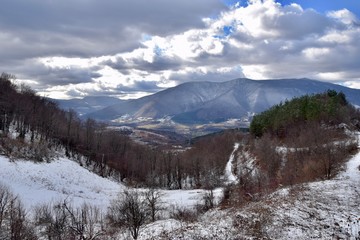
[88,28]
[130,47]
[155,64]
[344,16]
[140,86]
[205,74]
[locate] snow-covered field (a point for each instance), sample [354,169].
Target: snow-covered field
[37,183]
[60,179]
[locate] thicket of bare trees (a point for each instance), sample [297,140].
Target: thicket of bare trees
[62,221]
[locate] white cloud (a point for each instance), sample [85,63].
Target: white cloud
[314,54]
[344,16]
[352,84]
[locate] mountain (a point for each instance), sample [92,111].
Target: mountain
[87,104]
[204,102]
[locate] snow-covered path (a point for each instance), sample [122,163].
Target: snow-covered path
[353,166]
[229,175]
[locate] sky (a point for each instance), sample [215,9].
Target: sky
[128,49]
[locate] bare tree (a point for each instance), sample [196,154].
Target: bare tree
[62,221]
[52,220]
[5,197]
[85,222]
[19,225]
[14,223]
[153,202]
[130,211]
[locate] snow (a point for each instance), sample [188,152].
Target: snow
[229,175]
[187,198]
[352,172]
[38,183]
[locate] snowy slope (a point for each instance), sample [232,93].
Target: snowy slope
[323,210]
[229,176]
[37,183]
[62,178]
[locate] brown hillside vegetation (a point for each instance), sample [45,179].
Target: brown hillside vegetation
[301,140]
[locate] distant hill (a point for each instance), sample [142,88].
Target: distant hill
[204,102]
[87,104]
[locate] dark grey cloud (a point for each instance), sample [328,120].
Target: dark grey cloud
[92,27]
[33,29]
[158,64]
[45,77]
[140,86]
[60,76]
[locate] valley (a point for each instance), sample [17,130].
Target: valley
[162,133]
[292,174]
[199,108]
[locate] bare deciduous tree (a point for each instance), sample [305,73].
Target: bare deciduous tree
[62,221]
[153,202]
[130,211]
[14,224]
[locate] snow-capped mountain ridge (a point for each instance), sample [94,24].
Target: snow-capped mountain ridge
[204,102]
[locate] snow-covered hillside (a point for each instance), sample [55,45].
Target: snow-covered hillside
[319,210]
[60,179]
[37,183]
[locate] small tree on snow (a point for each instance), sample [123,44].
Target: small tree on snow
[130,211]
[153,202]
